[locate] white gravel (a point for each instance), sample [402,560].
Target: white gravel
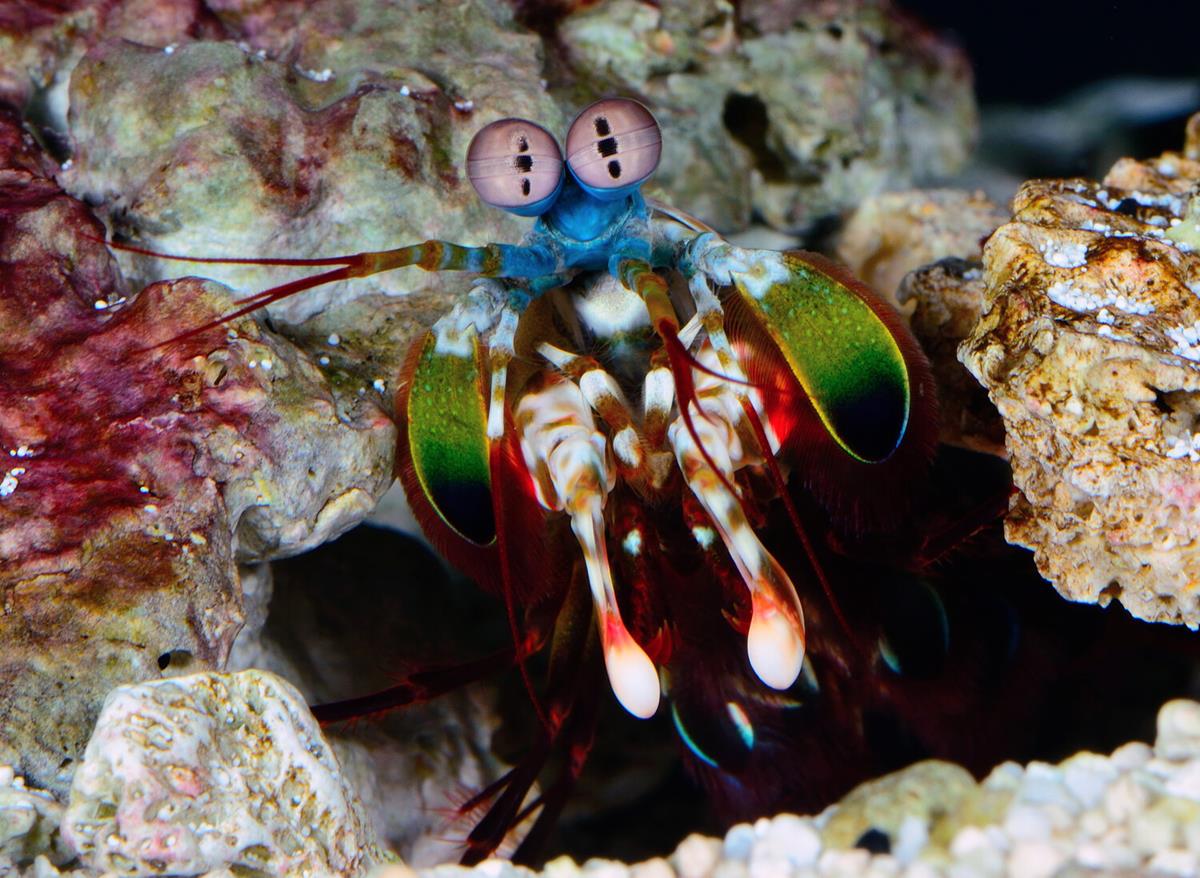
[1134,812]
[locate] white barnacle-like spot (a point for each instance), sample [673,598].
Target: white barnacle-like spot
[1064,255]
[704,536]
[1069,296]
[1179,447]
[1186,341]
[9,483]
[1066,294]
[323,75]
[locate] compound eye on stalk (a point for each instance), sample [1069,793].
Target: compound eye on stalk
[613,146]
[516,165]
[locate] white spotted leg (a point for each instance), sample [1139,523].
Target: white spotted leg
[775,642]
[568,458]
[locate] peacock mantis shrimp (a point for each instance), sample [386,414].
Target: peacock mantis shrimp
[626,372]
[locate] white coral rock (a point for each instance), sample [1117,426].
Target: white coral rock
[197,773]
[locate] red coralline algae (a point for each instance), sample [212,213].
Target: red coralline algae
[125,468]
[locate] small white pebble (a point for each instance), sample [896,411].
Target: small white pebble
[334,339]
[696,856]
[1087,776]
[598,868]
[405,91]
[739,841]
[316,75]
[464,106]
[379,385]
[1036,859]
[655,868]
[1174,862]
[1026,823]
[844,862]
[911,838]
[170,48]
[922,870]
[791,839]
[763,867]
[1178,735]
[323,360]
[8,484]
[1185,783]
[1153,830]
[1125,798]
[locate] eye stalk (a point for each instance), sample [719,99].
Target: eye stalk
[613,147]
[516,165]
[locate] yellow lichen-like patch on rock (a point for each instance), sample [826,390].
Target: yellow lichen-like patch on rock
[1089,346]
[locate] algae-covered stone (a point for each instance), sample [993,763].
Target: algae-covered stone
[342,126]
[789,110]
[357,145]
[134,474]
[929,790]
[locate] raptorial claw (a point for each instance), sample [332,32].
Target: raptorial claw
[570,459]
[775,642]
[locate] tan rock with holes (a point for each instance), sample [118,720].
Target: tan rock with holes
[197,773]
[1089,346]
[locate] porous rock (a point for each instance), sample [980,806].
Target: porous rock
[334,642]
[922,250]
[355,142]
[210,771]
[790,110]
[41,42]
[893,233]
[1089,346]
[133,476]
[29,820]
[342,126]
[946,299]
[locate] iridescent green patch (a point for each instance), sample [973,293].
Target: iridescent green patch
[447,436]
[841,352]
